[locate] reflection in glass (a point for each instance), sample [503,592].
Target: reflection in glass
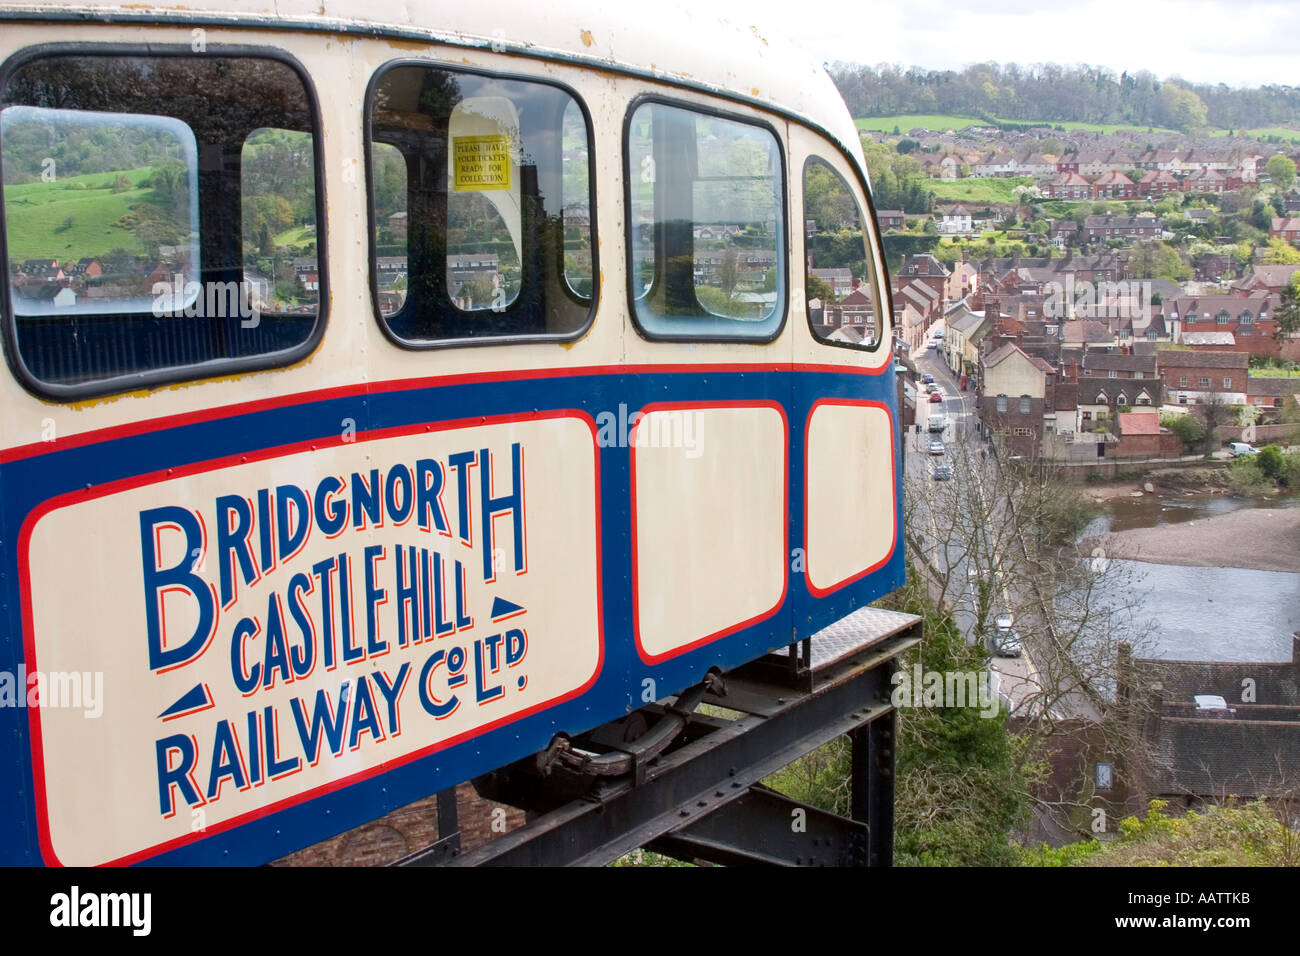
[481,195]
[706,224]
[155,212]
[101,211]
[837,283]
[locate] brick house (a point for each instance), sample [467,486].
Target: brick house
[1286,228]
[1121,227]
[1205,181]
[1271,393]
[1069,186]
[1157,182]
[1195,377]
[1263,279]
[924,269]
[1017,391]
[1113,185]
[1246,317]
[1140,436]
[890,218]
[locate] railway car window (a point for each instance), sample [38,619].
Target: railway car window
[153,209]
[577,204]
[705,213]
[837,283]
[388,182]
[278,191]
[481,197]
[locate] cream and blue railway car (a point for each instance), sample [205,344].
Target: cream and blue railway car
[388,394]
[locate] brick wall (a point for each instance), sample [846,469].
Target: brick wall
[407,829]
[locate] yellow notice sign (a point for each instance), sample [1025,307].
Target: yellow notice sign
[481,162]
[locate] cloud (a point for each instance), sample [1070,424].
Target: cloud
[1237,42]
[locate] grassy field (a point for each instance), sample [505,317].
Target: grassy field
[977,190]
[35,214]
[1059,208]
[1281,132]
[939,123]
[297,238]
[886,124]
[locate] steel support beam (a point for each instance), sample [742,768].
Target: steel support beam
[716,763]
[764,828]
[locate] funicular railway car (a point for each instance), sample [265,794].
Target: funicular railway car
[388,393]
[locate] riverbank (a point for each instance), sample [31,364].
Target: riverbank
[1266,540]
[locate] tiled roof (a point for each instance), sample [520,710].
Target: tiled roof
[1176,358]
[1139,423]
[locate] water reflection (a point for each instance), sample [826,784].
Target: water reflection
[1217,614]
[1151,511]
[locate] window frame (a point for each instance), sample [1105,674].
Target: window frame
[193,372]
[367,117]
[783,237]
[884,304]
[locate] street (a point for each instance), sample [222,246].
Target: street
[1018,679]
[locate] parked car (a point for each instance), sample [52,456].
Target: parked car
[1007,644]
[1238,448]
[927,378]
[943,472]
[936,448]
[939,334]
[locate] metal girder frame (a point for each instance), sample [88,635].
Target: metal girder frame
[722,761]
[764,828]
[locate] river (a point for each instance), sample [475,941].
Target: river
[1200,613]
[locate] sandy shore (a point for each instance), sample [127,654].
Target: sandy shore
[1264,539]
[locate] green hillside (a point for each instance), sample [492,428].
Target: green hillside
[977,190]
[37,216]
[939,123]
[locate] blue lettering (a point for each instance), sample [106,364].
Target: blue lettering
[158,581]
[178,776]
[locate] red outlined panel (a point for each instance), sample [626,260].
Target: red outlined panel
[363,442]
[655,658]
[821,592]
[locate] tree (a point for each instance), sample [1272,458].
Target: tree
[1270,461]
[1286,317]
[1000,536]
[1180,108]
[815,287]
[1213,409]
[1281,171]
[1186,427]
[1281,253]
[1157,260]
[729,271]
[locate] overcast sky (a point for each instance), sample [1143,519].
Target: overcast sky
[1237,42]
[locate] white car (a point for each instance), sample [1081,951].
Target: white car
[1008,644]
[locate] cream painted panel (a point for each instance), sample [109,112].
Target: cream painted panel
[709,522]
[486,632]
[849,484]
